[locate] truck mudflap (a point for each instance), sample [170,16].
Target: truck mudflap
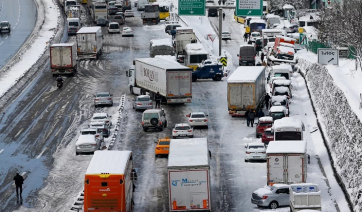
[63,71]
[87,56]
[178,101]
[237,113]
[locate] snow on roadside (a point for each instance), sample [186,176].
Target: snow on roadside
[46,28]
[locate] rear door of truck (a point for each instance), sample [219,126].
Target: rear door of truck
[295,169]
[240,95]
[179,84]
[275,169]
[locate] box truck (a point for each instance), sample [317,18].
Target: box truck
[170,79]
[63,58]
[245,89]
[189,175]
[90,42]
[305,196]
[286,162]
[108,182]
[184,36]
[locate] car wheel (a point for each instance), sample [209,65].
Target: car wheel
[217,78]
[156,155]
[191,136]
[154,121]
[131,89]
[207,127]
[165,124]
[76,153]
[145,129]
[273,205]
[246,161]
[174,137]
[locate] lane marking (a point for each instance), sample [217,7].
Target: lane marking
[18,132]
[1,151]
[41,153]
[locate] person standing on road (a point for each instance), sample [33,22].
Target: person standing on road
[158,100]
[251,116]
[267,98]
[223,16]
[260,113]
[247,117]
[19,180]
[173,33]
[246,37]
[223,2]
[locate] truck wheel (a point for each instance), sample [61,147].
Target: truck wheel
[217,78]
[165,124]
[194,78]
[273,205]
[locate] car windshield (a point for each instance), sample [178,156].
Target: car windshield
[164,143]
[102,95]
[225,33]
[265,124]
[89,133]
[150,115]
[182,128]
[114,26]
[268,132]
[197,116]
[277,115]
[4,24]
[281,93]
[118,17]
[143,99]
[100,117]
[74,23]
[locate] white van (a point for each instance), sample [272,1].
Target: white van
[73,25]
[282,70]
[272,20]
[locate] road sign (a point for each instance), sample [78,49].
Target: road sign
[249,7]
[328,56]
[211,37]
[303,40]
[224,61]
[191,7]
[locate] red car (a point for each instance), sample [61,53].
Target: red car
[264,122]
[267,136]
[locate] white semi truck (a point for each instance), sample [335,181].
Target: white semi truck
[287,162]
[170,79]
[90,42]
[245,89]
[189,175]
[63,58]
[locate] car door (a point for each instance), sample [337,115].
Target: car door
[283,196]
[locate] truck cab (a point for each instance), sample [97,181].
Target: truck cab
[131,78]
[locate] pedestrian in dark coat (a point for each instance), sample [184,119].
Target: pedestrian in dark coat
[219,2]
[223,2]
[267,98]
[260,113]
[247,117]
[251,116]
[173,33]
[158,100]
[246,37]
[223,16]
[19,180]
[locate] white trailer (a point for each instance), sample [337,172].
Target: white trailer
[246,89]
[286,162]
[184,36]
[63,58]
[90,42]
[305,196]
[170,79]
[189,175]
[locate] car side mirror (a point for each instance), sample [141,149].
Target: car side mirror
[127,73]
[246,146]
[237,55]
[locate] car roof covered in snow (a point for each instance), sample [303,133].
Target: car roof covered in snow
[246,45]
[63,44]
[287,147]
[257,21]
[281,89]
[275,109]
[279,98]
[85,139]
[192,152]
[195,48]
[281,82]
[112,162]
[89,30]
[266,119]
[287,122]
[246,74]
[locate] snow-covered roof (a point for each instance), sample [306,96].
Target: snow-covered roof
[63,44]
[287,45]
[192,152]
[266,119]
[72,19]
[282,67]
[99,114]
[161,63]
[270,15]
[112,162]
[288,6]
[195,48]
[285,38]
[275,109]
[167,57]
[257,21]
[286,147]
[281,82]
[86,139]
[89,30]
[272,30]
[161,42]
[184,28]
[281,89]
[279,98]
[288,122]
[249,45]
[246,74]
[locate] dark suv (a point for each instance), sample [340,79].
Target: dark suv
[213,12]
[5,26]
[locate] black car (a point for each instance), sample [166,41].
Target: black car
[5,26]
[112,10]
[170,27]
[213,12]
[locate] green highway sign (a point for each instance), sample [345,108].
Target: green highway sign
[191,7]
[249,7]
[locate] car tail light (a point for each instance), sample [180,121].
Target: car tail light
[247,152]
[262,152]
[142,123]
[160,122]
[109,99]
[158,148]
[94,144]
[254,57]
[189,130]
[97,136]
[104,130]
[264,197]
[139,104]
[150,103]
[175,131]
[190,120]
[205,120]
[96,100]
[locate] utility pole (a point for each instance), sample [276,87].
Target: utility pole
[220,29]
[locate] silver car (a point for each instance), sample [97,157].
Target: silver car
[101,127]
[143,102]
[87,144]
[271,196]
[103,98]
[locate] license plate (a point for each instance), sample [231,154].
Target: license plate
[165,148]
[256,156]
[182,135]
[198,120]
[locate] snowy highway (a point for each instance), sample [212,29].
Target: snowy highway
[39,129]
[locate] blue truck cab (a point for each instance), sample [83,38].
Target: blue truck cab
[208,70]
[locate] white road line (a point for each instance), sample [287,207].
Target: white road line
[1,151]
[18,133]
[41,153]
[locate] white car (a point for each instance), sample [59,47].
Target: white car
[93,131]
[254,36]
[127,31]
[87,144]
[102,117]
[182,130]
[113,27]
[255,151]
[128,13]
[198,119]
[225,35]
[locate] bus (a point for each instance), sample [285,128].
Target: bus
[83,1]
[108,182]
[99,13]
[288,128]
[194,55]
[257,25]
[164,8]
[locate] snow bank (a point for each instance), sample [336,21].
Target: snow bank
[341,126]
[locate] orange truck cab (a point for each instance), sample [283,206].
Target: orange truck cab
[282,39]
[108,182]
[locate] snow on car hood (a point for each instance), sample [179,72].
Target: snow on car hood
[263,191]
